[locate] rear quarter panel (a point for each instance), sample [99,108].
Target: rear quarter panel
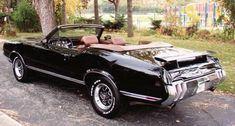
[132,74]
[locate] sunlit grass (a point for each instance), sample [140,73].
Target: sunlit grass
[23,36]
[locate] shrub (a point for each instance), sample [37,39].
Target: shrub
[2,14]
[165,31]
[115,23]
[229,32]
[180,32]
[146,32]
[25,18]
[217,36]
[156,24]
[191,30]
[83,20]
[9,31]
[203,34]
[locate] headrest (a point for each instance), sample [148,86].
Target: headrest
[118,41]
[88,40]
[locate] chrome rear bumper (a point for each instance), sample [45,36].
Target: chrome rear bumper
[181,89]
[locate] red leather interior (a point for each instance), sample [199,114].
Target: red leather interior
[118,41]
[88,40]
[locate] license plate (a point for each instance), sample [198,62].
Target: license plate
[201,84]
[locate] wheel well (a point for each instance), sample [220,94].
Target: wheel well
[90,77]
[12,56]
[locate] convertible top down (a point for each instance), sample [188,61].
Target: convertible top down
[114,71]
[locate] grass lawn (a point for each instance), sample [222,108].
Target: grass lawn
[224,51]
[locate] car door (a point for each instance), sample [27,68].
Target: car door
[65,63]
[42,58]
[53,59]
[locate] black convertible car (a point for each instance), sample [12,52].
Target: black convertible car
[113,70]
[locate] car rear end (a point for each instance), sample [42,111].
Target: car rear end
[188,73]
[184,72]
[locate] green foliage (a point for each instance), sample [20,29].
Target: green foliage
[115,23]
[217,36]
[230,9]
[2,14]
[156,24]
[25,17]
[229,32]
[83,20]
[229,29]
[108,8]
[146,32]
[58,13]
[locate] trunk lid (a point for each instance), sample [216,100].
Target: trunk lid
[169,57]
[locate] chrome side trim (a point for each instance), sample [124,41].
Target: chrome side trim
[56,75]
[139,96]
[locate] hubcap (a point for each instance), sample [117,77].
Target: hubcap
[18,68]
[103,96]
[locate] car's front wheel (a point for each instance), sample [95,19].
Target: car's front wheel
[105,98]
[19,70]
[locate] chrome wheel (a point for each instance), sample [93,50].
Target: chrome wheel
[18,68]
[103,96]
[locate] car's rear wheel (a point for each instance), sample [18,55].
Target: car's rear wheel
[105,98]
[19,70]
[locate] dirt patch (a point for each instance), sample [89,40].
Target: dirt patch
[219,93]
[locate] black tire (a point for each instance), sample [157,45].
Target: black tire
[105,98]
[20,70]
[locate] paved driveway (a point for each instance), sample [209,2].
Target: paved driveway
[48,101]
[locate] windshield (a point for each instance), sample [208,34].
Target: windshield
[76,32]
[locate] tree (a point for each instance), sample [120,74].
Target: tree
[96,12]
[116,6]
[45,11]
[63,12]
[230,23]
[129,18]
[25,17]
[74,7]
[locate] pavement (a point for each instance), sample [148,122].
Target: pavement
[48,101]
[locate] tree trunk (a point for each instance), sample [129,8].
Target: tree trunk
[116,6]
[45,11]
[63,12]
[129,18]
[116,10]
[96,12]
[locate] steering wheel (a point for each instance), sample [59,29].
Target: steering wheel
[63,42]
